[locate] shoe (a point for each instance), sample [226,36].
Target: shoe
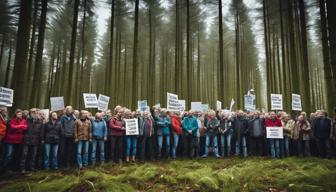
[204,156]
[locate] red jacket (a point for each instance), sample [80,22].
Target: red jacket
[115,125]
[2,128]
[176,124]
[15,131]
[275,123]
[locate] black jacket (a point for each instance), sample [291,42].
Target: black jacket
[322,127]
[52,132]
[32,135]
[240,127]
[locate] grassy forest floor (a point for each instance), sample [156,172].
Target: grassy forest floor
[233,174]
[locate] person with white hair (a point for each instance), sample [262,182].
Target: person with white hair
[163,132]
[99,136]
[211,134]
[190,138]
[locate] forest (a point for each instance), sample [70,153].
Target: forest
[201,50]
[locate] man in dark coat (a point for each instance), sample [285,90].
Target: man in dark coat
[322,133]
[240,131]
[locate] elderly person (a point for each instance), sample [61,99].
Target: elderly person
[225,131]
[288,125]
[163,122]
[273,121]
[146,133]
[82,135]
[301,135]
[99,136]
[211,134]
[131,140]
[257,132]
[322,132]
[67,137]
[240,131]
[3,128]
[177,131]
[190,139]
[117,127]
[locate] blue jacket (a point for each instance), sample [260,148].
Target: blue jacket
[190,124]
[99,129]
[163,124]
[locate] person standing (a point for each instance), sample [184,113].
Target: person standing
[240,131]
[82,135]
[288,125]
[99,136]
[117,127]
[146,132]
[322,132]
[131,140]
[67,137]
[163,132]
[225,131]
[190,138]
[176,130]
[3,129]
[257,132]
[301,134]
[31,140]
[274,121]
[14,136]
[51,135]
[211,134]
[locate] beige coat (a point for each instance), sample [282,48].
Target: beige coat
[304,127]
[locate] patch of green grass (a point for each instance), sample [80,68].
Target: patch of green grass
[234,174]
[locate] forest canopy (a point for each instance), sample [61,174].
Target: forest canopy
[201,50]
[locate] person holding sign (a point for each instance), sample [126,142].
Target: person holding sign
[163,132]
[273,121]
[211,134]
[99,136]
[51,137]
[82,135]
[117,127]
[131,140]
[301,136]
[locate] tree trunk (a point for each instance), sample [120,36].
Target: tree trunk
[135,56]
[221,52]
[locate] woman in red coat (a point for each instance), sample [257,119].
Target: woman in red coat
[176,129]
[14,135]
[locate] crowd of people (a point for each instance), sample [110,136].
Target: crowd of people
[30,141]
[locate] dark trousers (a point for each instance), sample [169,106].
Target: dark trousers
[303,148]
[256,145]
[28,151]
[146,148]
[323,147]
[117,143]
[191,146]
[2,152]
[108,149]
[67,152]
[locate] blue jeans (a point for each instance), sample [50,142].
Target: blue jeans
[176,141]
[160,141]
[82,145]
[275,148]
[9,155]
[47,148]
[207,144]
[131,141]
[227,138]
[241,141]
[101,144]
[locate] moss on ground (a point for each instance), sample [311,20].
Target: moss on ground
[234,174]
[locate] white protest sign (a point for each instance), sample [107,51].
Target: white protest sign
[205,107]
[250,104]
[45,113]
[296,102]
[182,105]
[103,102]
[231,104]
[56,103]
[132,127]
[90,100]
[173,103]
[276,102]
[6,97]
[142,105]
[218,105]
[196,106]
[274,132]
